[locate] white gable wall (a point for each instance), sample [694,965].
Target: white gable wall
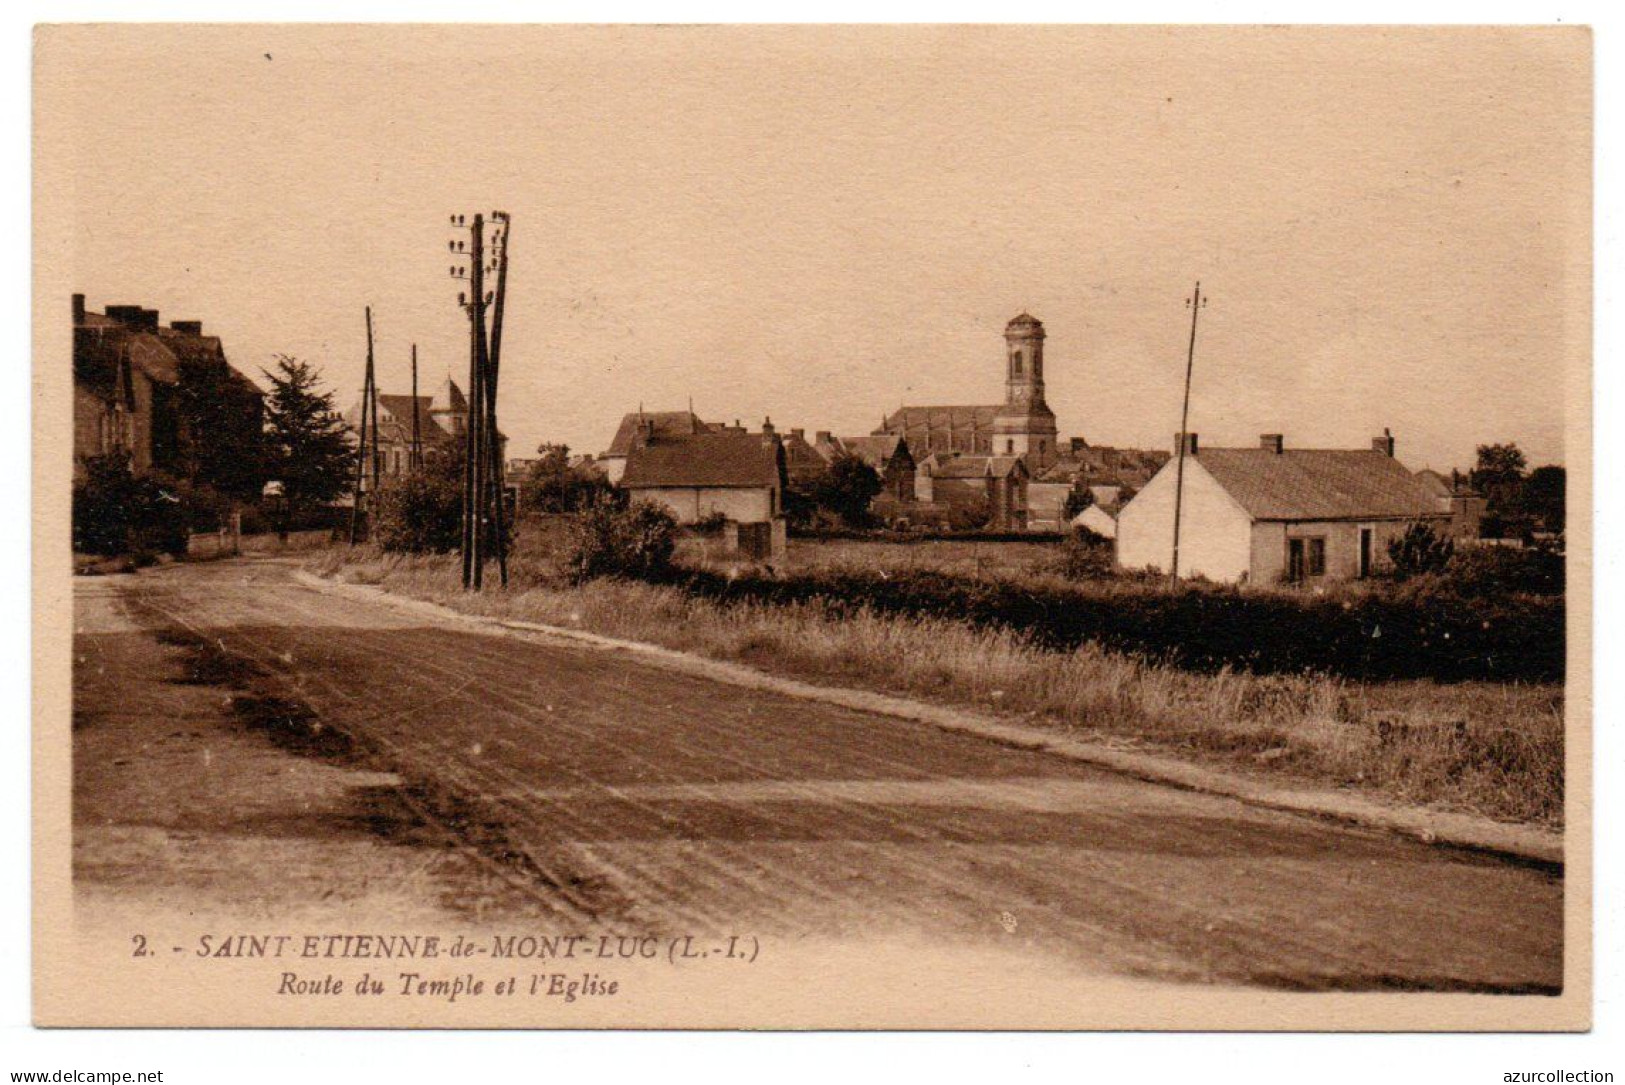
[1215,533]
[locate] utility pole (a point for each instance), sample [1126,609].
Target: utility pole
[369,424]
[473,513]
[484,514]
[499,241]
[1194,303]
[372,401]
[416,463]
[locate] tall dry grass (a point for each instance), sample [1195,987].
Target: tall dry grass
[1489,748]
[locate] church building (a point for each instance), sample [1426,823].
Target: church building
[1023,425]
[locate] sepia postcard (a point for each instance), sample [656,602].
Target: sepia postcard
[818,527]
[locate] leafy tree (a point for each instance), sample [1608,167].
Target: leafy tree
[221,443]
[1418,550]
[1499,475]
[309,447]
[848,488]
[554,485]
[1078,498]
[1544,496]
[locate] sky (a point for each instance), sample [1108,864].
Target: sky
[820,225]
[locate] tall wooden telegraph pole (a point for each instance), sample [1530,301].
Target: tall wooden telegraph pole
[367,441]
[484,528]
[416,459]
[1194,303]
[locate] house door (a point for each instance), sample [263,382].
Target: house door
[1294,560]
[1365,551]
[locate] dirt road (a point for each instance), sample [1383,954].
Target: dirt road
[599,789]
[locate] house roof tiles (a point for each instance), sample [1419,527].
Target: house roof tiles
[720,459]
[1318,484]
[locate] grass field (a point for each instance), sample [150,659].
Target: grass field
[1484,747]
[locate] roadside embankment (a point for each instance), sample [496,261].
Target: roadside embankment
[1473,764]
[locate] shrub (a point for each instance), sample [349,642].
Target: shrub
[1418,629]
[1498,570]
[421,512]
[1419,550]
[711,523]
[116,511]
[970,515]
[1086,555]
[635,542]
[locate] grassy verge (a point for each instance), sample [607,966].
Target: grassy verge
[1483,747]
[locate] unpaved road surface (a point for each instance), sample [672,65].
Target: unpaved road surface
[436,767]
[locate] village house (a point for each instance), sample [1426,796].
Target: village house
[889,456]
[714,473]
[136,389]
[1273,514]
[960,485]
[1465,505]
[440,425]
[1100,519]
[804,465]
[660,423]
[1111,475]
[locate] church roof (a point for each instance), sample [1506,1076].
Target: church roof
[975,466]
[965,418]
[1024,320]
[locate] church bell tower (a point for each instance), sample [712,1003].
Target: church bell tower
[1025,426]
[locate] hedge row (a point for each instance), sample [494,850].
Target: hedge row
[1415,630]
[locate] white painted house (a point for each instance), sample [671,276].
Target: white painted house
[723,473]
[1271,514]
[1098,520]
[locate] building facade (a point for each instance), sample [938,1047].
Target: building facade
[726,474]
[1271,515]
[438,422]
[1023,425]
[163,395]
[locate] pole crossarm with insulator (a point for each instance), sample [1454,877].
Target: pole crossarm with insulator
[484,522]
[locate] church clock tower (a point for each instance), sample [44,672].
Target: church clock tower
[1025,426]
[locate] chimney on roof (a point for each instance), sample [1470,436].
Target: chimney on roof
[1271,442]
[767,428]
[1383,444]
[187,327]
[822,436]
[798,434]
[1189,443]
[78,309]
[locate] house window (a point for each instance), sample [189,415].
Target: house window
[1366,534]
[1010,446]
[1305,558]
